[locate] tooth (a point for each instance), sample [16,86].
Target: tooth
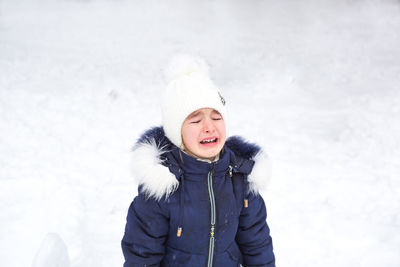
[209,140]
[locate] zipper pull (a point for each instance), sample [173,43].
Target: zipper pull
[230,170]
[246,202]
[179,232]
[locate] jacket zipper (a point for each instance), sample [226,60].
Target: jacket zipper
[213,214]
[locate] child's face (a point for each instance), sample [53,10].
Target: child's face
[203,133]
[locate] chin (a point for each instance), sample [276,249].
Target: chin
[209,154]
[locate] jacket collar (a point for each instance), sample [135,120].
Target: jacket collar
[192,165]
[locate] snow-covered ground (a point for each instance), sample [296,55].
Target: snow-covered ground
[316,83]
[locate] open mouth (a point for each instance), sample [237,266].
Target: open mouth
[209,141]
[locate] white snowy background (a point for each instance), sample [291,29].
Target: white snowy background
[315,83]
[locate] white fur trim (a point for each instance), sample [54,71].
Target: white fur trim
[261,173]
[156,180]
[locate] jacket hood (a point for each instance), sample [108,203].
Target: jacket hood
[157,181]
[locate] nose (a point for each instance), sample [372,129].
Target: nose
[208,126]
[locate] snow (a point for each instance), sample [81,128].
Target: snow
[52,252]
[316,83]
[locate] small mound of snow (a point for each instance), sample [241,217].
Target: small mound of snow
[52,252]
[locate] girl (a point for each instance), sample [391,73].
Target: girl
[198,201]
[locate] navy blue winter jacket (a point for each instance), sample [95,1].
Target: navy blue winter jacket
[194,213]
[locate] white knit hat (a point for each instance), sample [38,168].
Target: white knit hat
[189,88]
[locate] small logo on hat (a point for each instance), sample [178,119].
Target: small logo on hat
[222,99]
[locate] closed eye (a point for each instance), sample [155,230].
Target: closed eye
[195,121]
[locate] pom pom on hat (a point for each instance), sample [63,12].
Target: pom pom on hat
[182,65]
[189,88]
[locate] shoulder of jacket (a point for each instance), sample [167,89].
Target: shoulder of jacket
[260,174]
[155,180]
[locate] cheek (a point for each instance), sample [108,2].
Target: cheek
[189,136]
[222,130]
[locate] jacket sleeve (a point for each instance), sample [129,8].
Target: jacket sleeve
[253,235]
[146,231]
